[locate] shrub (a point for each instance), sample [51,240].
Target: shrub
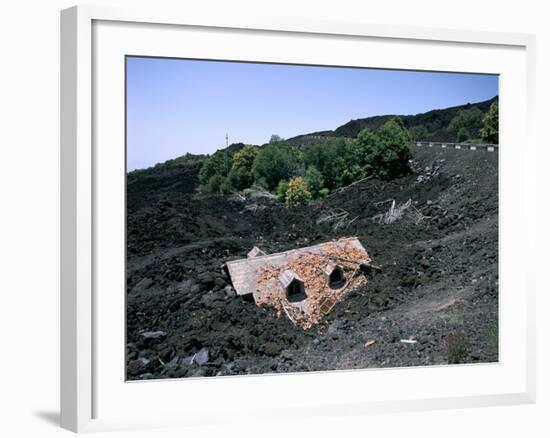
[314,181]
[214,183]
[226,187]
[385,153]
[239,178]
[489,131]
[458,348]
[275,162]
[297,193]
[281,189]
[260,182]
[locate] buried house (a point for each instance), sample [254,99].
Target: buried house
[303,283]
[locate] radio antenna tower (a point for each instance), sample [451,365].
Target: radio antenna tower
[226,140]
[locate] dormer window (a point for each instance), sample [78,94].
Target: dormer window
[293,286]
[334,276]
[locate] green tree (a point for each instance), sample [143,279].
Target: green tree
[350,174]
[239,179]
[217,164]
[240,176]
[275,139]
[333,159]
[276,161]
[385,153]
[466,124]
[297,193]
[314,181]
[244,159]
[489,131]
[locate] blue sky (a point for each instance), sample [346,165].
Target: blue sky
[176,106]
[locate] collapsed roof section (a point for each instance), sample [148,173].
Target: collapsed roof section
[304,283]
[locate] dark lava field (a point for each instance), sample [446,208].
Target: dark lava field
[438,289]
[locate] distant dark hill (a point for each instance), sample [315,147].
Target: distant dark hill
[433,123]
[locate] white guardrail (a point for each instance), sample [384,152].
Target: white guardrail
[470,146]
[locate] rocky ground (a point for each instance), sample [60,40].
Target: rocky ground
[438,287]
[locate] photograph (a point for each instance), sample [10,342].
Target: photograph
[288,218]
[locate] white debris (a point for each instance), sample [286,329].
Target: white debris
[408,341]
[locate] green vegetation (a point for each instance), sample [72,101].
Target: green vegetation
[279,166]
[466,124]
[338,161]
[215,168]
[458,347]
[280,191]
[314,181]
[385,153]
[418,133]
[240,176]
[297,192]
[276,139]
[327,158]
[489,131]
[310,167]
[215,183]
[276,161]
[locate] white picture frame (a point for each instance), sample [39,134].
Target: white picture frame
[93,397]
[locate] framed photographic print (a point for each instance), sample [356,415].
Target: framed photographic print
[255,206]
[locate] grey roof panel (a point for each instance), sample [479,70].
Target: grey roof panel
[287,277]
[244,272]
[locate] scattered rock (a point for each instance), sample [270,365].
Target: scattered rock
[173,363]
[201,372]
[147,376]
[286,355]
[142,285]
[272,349]
[158,335]
[137,367]
[229,291]
[150,338]
[219,282]
[211,298]
[188,360]
[185,286]
[202,357]
[166,354]
[207,279]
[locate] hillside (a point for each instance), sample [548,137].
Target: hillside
[439,261]
[433,124]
